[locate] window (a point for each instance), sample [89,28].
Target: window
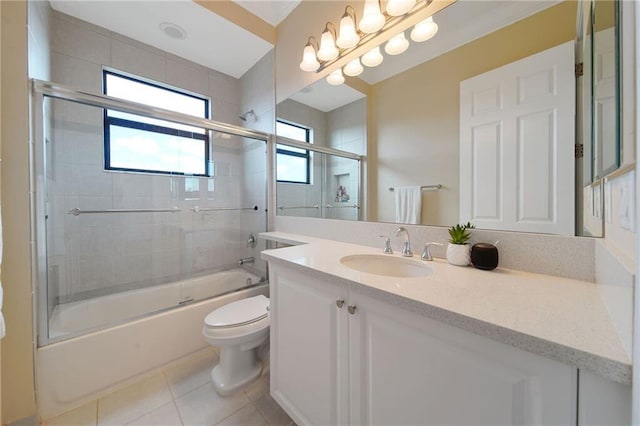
[136,143]
[293,164]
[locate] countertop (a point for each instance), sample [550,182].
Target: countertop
[559,318]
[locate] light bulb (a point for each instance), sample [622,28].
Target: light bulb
[372,19]
[335,78]
[397,44]
[348,36]
[424,30]
[399,7]
[309,61]
[372,58]
[353,68]
[328,49]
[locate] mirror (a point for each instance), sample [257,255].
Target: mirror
[413,111]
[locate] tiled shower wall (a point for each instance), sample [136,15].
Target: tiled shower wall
[96,254]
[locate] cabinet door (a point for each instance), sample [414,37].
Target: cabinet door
[408,369]
[308,347]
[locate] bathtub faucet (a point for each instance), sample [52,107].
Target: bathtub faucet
[246,260]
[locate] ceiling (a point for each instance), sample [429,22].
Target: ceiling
[271,11]
[211,40]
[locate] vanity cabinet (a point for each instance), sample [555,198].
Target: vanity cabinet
[339,356]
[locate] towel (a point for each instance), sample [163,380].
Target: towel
[408,204]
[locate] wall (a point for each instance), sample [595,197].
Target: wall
[417,112]
[18,400]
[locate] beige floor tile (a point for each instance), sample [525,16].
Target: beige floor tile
[86,415]
[203,406]
[184,378]
[248,416]
[257,389]
[167,415]
[134,401]
[271,411]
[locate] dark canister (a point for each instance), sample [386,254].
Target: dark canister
[484,256]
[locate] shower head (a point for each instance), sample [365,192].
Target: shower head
[247,114]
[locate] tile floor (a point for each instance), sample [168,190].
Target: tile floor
[180,395]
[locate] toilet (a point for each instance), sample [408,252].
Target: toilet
[238,329]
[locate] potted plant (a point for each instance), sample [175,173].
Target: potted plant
[459,249]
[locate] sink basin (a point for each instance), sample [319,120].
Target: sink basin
[385,265]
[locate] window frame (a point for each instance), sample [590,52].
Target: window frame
[306,155]
[137,125]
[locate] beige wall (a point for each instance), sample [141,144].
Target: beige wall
[18,399]
[416,128]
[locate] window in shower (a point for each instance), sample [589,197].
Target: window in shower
[142,144]
[293,164]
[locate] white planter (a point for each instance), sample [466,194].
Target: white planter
[459,254]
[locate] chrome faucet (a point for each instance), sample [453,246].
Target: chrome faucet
[406,246]
[426,253]
[387,244]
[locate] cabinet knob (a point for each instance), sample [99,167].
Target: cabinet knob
[352,309]
[339,303]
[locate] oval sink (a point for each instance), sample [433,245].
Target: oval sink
[388,266]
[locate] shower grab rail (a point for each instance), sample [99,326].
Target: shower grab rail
[197,209]
[317,207]
[352,206]
[78,212]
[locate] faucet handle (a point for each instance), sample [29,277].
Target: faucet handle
[387,244]
[426,253]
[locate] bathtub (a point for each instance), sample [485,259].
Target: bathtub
[80,369]
[105,311]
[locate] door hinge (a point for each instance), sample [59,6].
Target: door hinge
[579,69]
[579,150]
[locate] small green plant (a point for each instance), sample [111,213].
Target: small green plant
[460,234]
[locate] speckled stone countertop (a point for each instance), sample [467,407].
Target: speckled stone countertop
[559,318]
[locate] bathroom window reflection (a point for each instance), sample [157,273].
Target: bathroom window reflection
[293,165]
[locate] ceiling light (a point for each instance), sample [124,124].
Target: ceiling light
[396,45]
[335,78]
[353,68]
[372,19]
[424,30]
[399,7]
[348,36]
[372,58]
[309,61]
[172,30]
[328,49]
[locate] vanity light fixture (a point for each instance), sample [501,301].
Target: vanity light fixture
[309,59]
[335,78]
[328,49]
[348,35]
[373,23]
[353,68]
[372,58]
[396,45]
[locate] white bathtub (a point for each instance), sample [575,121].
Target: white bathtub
[105,311]
[73,371]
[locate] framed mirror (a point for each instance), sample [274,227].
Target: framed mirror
[412,106]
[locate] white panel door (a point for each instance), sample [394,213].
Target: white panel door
[604,97]
[408,370]
[517,137]
[308,348]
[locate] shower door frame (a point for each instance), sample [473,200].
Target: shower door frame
[38,186]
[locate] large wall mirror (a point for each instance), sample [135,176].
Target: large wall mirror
[405,117]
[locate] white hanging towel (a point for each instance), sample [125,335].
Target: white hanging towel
[408,204]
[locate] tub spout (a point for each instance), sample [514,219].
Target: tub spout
[246,260]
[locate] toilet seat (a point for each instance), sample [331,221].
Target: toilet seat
[239,313]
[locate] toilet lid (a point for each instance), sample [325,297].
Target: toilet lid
[241,312]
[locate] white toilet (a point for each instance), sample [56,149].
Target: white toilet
[238,329]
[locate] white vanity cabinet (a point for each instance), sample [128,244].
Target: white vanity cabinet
[366,361]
